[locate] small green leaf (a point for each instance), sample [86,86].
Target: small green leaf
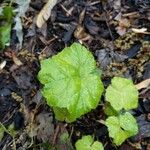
[5,26]
[5,35]
[122,127]
[71,86]
[109,111]
[122,94]
[87,143]
[7,14]
[1,11]
[2,130]
[1,133]
[64,137]
[11,130]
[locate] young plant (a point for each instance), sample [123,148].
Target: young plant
[87,143]
[72,87]
[72,84]
[122,96]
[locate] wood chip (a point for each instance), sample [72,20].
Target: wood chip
[142,30]
[17,61]
[2,65]
[143,84]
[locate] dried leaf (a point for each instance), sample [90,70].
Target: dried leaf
[23,6]
[63,140]
[45,128]
[106,56]
[18,28]
[144,127]
[143,84]
[123,25]
[118,16]
[121,30]
[117,4]
[103,58]
[45,12]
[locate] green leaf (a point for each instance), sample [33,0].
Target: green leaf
[1,11]
[71,87]
[7,14]
[5,35]
[11,130]
[122,127]
[87,143]
[109,111]
[64,137]
[122,94]
[5,26]
[1,132]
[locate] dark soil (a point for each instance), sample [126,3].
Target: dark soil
[94,24]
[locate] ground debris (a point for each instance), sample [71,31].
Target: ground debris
[115,31]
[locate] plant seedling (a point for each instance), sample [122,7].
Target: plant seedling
[121,127]
[122,95]
[72,85]
[87,143]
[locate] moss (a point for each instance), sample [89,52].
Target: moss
[126,41]
[136,65]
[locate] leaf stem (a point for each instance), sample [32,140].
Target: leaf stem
[4,128]
[10,4]
[14,143]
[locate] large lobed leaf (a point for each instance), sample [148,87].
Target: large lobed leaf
[87,143]
[121,127]
[122,94]
[72,85]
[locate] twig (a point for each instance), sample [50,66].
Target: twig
[94,3]
[67,11]
[56,134]
[14,143]
[10,4]
[108,27]
[72,129]
[101,121]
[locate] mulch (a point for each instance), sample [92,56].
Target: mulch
[94,24]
